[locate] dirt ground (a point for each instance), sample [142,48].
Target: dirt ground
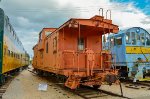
[128,92]
[25,86]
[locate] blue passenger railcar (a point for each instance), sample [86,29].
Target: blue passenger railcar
[131,52]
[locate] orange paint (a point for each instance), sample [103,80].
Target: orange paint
[75,50]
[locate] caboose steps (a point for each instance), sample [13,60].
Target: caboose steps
[73,82]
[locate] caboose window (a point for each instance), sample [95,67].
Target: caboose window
[40,37]
[41,54]
[55,45]
[80,44]
[47,47]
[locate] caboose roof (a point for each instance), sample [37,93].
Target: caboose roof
[49,29]
[96,21]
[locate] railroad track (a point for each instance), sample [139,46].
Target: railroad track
[4,87]
[85,92]
[88,92]
[137,85]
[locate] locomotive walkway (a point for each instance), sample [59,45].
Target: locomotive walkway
[25,86]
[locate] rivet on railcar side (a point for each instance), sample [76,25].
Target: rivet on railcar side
[131,48]
[74,50]
[12,53]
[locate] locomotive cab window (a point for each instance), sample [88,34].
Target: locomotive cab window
[118,41]
[80,44]
[128,38]
[133,36]
[111,41]
[142,38]
[147,39]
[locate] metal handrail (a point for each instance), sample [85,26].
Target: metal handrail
[101,9]
[109,14]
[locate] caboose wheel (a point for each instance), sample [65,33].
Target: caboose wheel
[96,86]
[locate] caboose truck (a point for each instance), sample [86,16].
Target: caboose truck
[132,53]
[74,50]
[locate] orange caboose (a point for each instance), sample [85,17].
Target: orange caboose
[75,51]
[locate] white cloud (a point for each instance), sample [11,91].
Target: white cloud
[23,21]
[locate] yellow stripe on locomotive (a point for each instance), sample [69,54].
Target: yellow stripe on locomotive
[137,50]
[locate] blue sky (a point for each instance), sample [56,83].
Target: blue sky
[28,17]
[143,5]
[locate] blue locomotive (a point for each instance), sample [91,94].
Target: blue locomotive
[131,52]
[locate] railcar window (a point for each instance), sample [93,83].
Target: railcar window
[4,51]
[9,28]
[8,52]
[14,55]
[14,36]
[5,22]
[18,56]
[11,54]
[128,38]
[118,41]
[81,44]
[133,35]
[13,33]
